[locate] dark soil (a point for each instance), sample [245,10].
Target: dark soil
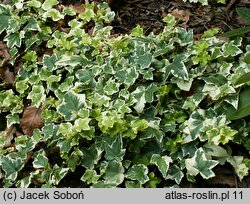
[149,14]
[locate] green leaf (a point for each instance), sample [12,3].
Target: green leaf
[11,167]
[114,150]
[4,18]
[236,32]
[137,31]
[244,13]
[243,109]
[199,164]
[139,173]
[91,156]
[114,173]
[243,79]
[162,162]
[72,103]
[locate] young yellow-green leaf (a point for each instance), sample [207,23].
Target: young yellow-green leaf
[34,3]
[48,4]
[139,125]
[90,176]
[137,31]
[72,103]
[54,14]
[162,162]
[199,164]
[81,124]
[138,172]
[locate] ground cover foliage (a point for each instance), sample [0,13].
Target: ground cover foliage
[128,110]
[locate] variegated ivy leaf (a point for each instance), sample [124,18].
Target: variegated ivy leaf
[111,87]
[138,172]
[162,162]
[91,156]
[54,14]
[37,95]
[142,55]
[114,149]
[88,14]
[32,25]
[114,173]
[14,39]
[49,62]
[203,2]
[34,3]
[11,167]
[73,61]
[178,68]
[111,122]
[197,121]
[230,49]
[72,103]
[90,176]
[57,174]
[40,161]
[175,173]
[139,95]
[66,129]
[199,164]
[239,166]
[81,124]
[48,4]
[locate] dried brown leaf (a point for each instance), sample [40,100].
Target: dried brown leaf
[183,15]
[9,77]
[31,120]
[9,136]
[4,54]
[77,8]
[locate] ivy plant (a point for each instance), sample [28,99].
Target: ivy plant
[132,110]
